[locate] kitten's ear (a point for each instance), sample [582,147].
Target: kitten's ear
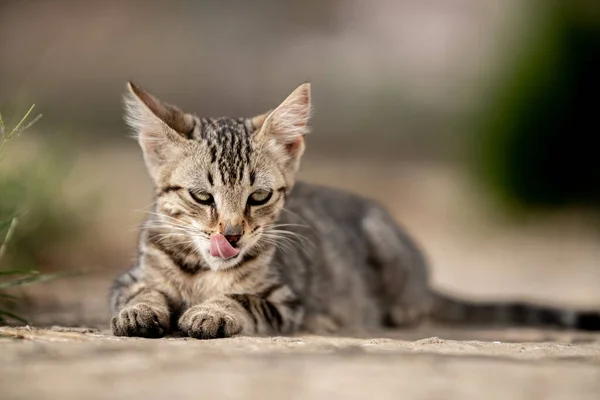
[159,127]
[143,109]
[288,123]
[258,121]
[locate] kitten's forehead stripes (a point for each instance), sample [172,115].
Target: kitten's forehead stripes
[229,144]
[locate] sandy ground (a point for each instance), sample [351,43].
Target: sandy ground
[65,364]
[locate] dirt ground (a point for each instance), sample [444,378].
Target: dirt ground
[60,363]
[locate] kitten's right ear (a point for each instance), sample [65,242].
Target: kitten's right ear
[159,127]
[288,123]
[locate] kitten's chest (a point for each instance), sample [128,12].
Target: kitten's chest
[211,284]
[206,285]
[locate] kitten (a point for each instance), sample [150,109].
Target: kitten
[236,246]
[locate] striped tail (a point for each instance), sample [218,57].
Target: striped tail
[452,310]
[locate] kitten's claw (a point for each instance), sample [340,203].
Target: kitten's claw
[206,322]
[141,320]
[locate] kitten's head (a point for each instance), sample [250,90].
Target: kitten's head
[220,182]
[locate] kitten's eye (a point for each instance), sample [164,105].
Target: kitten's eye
[203,198]
[259,197]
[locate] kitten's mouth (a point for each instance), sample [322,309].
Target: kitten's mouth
[220,247]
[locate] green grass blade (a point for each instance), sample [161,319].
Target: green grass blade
[21,122]
[16,272]
[5,224]
[8,297]
[34,278]
[17,129]
[4,313]
[8,236]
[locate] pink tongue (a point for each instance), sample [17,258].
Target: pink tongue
[220,247]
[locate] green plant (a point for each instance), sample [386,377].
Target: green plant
[14,277]
[36,188]
[535,147]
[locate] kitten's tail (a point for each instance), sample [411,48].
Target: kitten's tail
[448,309]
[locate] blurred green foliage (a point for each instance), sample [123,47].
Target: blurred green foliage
[34,192]
[30,220]
[537,146]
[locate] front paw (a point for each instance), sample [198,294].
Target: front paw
[143,320]
[208,322]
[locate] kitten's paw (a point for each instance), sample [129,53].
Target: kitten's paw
[141,320]
[208,322]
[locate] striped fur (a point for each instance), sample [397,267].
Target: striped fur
[311,258]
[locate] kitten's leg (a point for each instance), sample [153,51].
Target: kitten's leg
[275,310]
[138,309]
[405,291]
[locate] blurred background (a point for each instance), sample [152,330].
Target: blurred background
[471,120]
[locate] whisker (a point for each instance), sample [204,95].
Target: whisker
[172,220]
[169,226]
[294,214]
[290,235]
[171,230]
[282,225]
[186,234]
[277,244]
[188,243]
[284,241]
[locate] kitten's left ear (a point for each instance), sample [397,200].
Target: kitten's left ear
[144,111]
[160,128]
[288,123]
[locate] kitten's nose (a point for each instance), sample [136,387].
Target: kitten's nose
[233,233]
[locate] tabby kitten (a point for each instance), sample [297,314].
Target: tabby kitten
[236,246]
